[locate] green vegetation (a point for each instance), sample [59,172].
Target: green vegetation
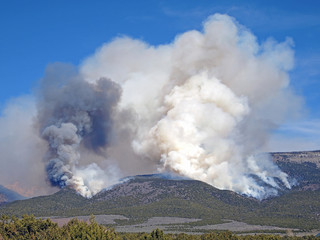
[28,227]
[143,198]
[31,228]
[307,174]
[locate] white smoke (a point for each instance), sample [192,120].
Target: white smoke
[204,105]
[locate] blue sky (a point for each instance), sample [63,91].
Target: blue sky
[35,33]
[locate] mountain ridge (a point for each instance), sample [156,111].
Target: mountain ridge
[8,195]
[144,197]
[155,195]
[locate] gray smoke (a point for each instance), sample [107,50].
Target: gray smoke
[74,114]
[202,107]
[204,104]
[22,150]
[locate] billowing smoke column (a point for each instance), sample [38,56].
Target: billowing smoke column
[74,114]
[198,138]
[202,107]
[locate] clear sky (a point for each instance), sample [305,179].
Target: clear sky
[35,33]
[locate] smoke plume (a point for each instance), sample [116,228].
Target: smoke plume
[74,113]
[202,107]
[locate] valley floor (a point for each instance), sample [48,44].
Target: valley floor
[186,225]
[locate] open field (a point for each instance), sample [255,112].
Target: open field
[186,225]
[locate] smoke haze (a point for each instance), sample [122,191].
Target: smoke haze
[202,107]
[22,150]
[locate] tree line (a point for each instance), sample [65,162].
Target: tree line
[29,227]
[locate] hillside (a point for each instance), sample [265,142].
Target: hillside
[142,197]
[141,191]
[7,195]
[297,157]
[303,166]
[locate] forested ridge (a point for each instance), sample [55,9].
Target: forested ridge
[146,197]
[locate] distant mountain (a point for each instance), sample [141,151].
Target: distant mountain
[303,166]
[7,195]
[145,196]
[297,157]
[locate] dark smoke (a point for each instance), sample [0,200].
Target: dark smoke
[74,114]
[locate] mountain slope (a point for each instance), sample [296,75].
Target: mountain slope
[304,167]
[7,195]
[136,192]
[56,204]
[146,196]
[142,197]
